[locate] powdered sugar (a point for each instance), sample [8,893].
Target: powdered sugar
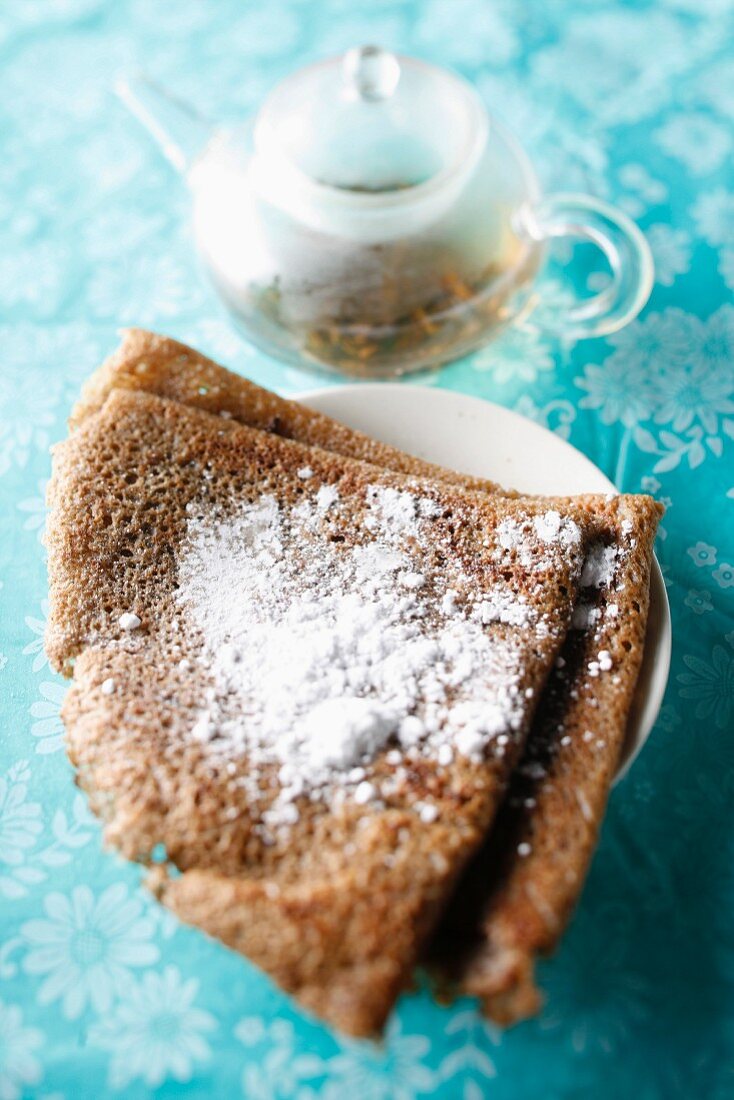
[548,528]
[129,621]
[599,566]
[585,616]
[322,654]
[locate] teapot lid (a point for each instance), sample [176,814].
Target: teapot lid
[371,122]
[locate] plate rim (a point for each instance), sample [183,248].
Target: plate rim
[661,651]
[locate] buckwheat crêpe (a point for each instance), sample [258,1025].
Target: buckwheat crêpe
[306,678]
[518,896]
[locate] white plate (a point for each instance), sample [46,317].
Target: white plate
[477,437]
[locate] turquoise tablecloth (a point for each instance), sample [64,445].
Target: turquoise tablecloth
[100,992]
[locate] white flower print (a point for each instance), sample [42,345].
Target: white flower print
[671,368]
[27,412]
[83,99]
[713,86]
[469,1051]
[693,392]
[20,826]
[698,601]
[27,860]
[519,355]
[49,729]
[395,1071]
[264,31]
[557,415]
[726,266]
[86,947]
[604,62]
[279,1071]
[617,391]
[251,1030]
[36,647]
[492,39]
[657,339]
[387,28]
[702,554]
[3,661]
[636,178]
[671,251]
[724,575]
[695,139]
[714,216]
[641,190]
[595,995]
[19,1066]
[59,357]
[112,158]
[167,21]
[564,160]
[113,232]
[32,278]
[711,685]
[714,344]
[145,290]
[157,1032]
[34,12]
[668,720]
[708,9]
[35,509]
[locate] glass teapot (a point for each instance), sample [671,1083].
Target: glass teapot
[373,219]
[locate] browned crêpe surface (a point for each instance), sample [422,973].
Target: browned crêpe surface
[529,898]
[162,366]
[518,895]
[340,909]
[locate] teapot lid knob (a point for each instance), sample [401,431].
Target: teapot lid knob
[368,121]
[371,73]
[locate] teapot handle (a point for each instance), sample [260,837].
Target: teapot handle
[586,218]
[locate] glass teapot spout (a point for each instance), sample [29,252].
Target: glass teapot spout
[178,129]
